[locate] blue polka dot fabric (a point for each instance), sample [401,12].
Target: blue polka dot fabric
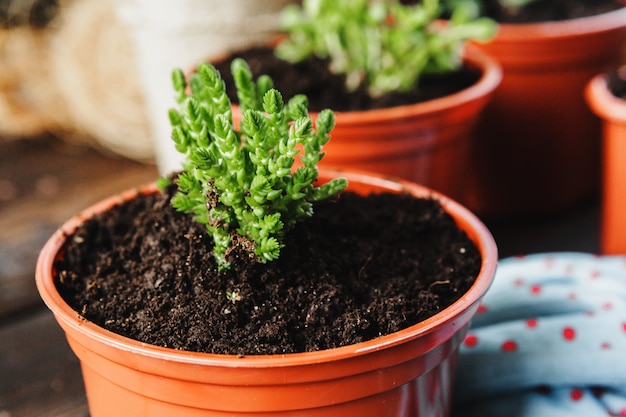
[549,339]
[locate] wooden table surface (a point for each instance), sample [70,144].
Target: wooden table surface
[44,181]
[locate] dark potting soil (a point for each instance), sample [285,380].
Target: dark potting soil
[616,82]
[550,10]
[360,268]
[326,90]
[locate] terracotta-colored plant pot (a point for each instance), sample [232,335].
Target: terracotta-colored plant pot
[612,112]
[538,144]
[402,374]
[428,143]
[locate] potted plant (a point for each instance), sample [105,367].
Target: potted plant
[406,90]
[606,96]
[537,148]
[232,209]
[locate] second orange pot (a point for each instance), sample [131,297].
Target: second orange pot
[428,142]
[538,145]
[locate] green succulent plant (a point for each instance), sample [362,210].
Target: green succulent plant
[243,184]
[383,44]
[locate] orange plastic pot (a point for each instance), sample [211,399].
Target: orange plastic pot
[612,112]
[402,374]
[538,147]
[428,143]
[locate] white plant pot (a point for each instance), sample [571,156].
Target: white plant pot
[172,34]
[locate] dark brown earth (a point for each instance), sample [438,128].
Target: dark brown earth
[550,10]
[308,77]
[616,81]
[360,268]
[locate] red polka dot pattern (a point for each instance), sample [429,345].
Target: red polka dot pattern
[509,346]
[570,315]
[576,394]
[471,340]
[532,323]
[569,333]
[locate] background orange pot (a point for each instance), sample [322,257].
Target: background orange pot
[538,145]
[428,143]
[405,373]
[612,112]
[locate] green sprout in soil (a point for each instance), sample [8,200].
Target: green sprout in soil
[383,44]
[243,184]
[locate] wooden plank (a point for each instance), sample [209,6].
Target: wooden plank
[43,182]
[40,374]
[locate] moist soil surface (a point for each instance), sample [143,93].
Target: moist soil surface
[326,90]
[616,82]
[550,10]
[360,268]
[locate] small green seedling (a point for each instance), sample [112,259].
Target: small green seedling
[242,184]
[382,44]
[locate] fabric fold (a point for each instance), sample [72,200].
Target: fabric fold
[549,339]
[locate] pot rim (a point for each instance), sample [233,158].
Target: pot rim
[602,101]
[476,230]
[475,57]
[583,26]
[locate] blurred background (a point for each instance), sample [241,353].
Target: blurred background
[67,69]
